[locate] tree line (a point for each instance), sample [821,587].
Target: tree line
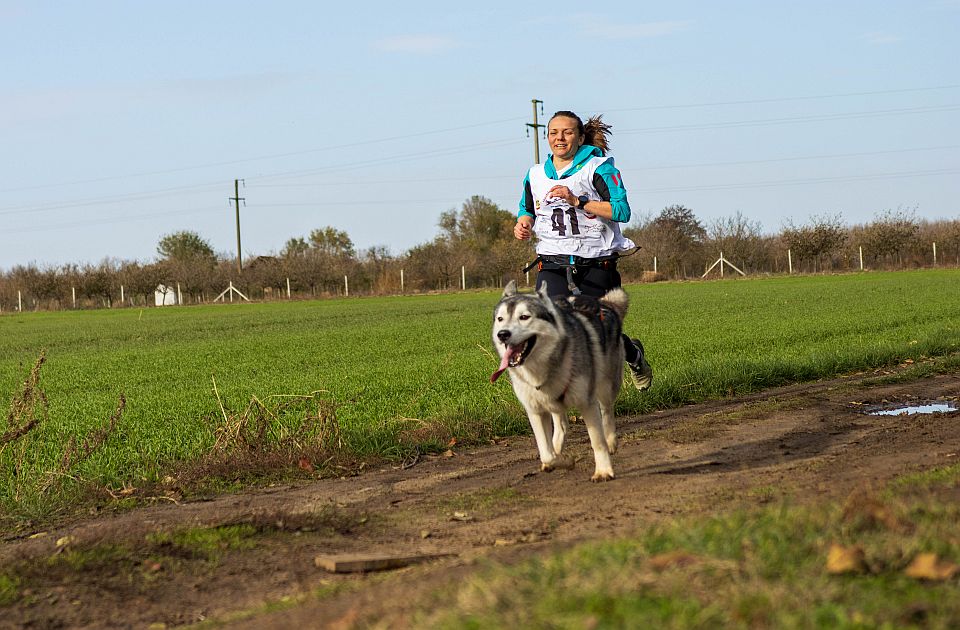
[475,245]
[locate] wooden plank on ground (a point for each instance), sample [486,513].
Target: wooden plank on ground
[354,563]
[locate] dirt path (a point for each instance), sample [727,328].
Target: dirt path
[802,441]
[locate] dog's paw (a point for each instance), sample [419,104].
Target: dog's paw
[563,462]
[601,476]
[612,443]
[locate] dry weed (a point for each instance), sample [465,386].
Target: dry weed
[33,483]
[262,442]
[27,408]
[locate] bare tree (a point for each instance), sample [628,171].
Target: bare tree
[817,241]
[433,265]
[890,234]
[140,280]
[378,270]
[99,282]
[49,285]
[676,237]
[741,242]
[480,238]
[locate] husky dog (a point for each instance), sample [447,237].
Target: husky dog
[563,353]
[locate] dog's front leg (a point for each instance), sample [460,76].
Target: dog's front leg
[563,460]
[560,426]
[609,427]
[540,422]
[598,440]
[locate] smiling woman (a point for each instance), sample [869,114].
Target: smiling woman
[575,202]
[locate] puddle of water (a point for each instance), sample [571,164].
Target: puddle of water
[916,409]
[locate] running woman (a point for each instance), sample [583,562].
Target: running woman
[575,202]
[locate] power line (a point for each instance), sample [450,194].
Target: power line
[321,203]
[179,189]
[350,202]
[795,119]
[791,159]
[784,99]
[266,157]
[757,184]
[108,221]
[796,182]
[447,151]
[463,127]
[639,169]
[395,158]
[164,192]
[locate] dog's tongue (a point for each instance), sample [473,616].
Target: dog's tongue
[504,363]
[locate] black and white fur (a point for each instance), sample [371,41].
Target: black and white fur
[564,353]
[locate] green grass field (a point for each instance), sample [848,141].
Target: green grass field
[389,366]
[758,567]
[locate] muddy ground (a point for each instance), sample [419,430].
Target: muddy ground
[804,442]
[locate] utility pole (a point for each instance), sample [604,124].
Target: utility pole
[536,130]
[237,199]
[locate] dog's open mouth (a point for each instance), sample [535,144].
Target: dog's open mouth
[513,356]
[519,353]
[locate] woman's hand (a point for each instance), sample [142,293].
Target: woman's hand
[562,192]
[523,230]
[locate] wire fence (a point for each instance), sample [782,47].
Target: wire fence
[100,289]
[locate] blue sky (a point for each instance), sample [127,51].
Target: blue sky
[123,121]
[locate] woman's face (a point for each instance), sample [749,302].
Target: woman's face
[564,137]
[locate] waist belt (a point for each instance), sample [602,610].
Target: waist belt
[570,263]
[548,261]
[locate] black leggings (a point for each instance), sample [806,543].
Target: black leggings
[592,281]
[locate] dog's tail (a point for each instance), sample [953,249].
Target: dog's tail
[616,300]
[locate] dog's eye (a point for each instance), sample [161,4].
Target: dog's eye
[499,318]
[524,318]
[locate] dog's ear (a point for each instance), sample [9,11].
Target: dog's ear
[542,292]
[510,289]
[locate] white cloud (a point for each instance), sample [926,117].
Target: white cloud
[52,103]
[415,44]
[881,38]
[228,86]
[606,27]
[601,27]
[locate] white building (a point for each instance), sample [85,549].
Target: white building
[165,296]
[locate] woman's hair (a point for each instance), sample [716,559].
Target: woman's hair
[595,132]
